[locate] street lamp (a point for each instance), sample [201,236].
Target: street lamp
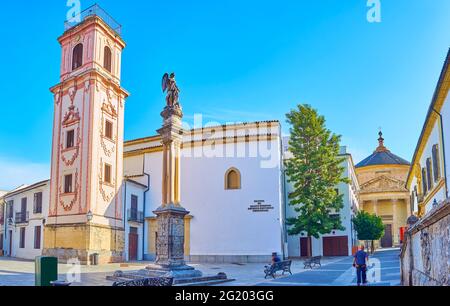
[89,216]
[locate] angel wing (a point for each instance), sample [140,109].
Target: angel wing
[165,81]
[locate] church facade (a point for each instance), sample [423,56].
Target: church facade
[382,178]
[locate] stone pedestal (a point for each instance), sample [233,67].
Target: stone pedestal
[170,244]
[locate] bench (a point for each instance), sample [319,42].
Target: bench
[146,282]
[313,262]
[284,266]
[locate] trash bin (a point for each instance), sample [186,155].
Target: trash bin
[46,271]
[94,259]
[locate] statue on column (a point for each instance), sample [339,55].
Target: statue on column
[169,84]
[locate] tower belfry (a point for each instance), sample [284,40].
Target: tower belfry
[86,209]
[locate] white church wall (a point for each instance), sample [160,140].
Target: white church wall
[222,223]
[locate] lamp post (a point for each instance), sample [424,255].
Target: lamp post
[90,216]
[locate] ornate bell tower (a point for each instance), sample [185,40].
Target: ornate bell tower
[86,209]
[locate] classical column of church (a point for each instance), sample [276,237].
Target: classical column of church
[86,212]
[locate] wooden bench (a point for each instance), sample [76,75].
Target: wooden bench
[284,266]
[146,282]
[313,262]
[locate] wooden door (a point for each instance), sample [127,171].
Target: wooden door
[335,246]
[386,241]
[133,239]
[305,247]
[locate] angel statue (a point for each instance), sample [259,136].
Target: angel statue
[170,85]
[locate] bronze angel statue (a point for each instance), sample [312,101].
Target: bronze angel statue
[170,85]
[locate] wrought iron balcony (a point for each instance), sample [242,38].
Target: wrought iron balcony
[94,10]
[135,216]
[22,217]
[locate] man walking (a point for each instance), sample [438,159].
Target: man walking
[360,262]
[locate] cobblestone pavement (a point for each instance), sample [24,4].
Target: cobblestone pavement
[334,271]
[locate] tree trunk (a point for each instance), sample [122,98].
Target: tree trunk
[372,248]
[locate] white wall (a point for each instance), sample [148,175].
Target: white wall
[222,223]
[445,111]
[137,190]
[29,252]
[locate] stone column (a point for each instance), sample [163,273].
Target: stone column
[375,207]
[395,229]
[170,216]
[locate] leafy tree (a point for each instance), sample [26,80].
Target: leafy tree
[315,170]
[369,227]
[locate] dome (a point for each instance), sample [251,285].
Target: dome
[382,156]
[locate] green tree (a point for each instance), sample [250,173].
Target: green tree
[369,227]
[315,170]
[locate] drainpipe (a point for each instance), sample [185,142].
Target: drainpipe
[443,151]
[145,206]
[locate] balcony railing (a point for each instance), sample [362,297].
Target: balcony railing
[22,217]
[135,216]
[94,10]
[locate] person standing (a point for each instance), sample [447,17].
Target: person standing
[360,261]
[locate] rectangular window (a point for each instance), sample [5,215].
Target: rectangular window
[23,208]
[22,238]
[424,181]
[429,174]
[38,203]
[68,184]
[134,202]
[70,139]
[1,241]
[107,174]
[37,237]
[108,129]
[10,210]
[436,163]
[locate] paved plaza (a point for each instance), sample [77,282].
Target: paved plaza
[384,271]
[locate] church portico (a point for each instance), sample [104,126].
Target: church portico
[383,191]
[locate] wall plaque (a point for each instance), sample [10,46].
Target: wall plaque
[260,206]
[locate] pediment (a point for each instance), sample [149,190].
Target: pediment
[383,183]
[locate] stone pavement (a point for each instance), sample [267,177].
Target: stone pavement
[334,272]
[384,270]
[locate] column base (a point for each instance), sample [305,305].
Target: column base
[177,272]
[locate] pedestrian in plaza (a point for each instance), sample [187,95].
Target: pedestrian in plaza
[275,258]
[360,261]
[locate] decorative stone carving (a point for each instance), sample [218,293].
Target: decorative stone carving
[71,117]
[383,183]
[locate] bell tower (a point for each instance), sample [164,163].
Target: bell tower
[86,209]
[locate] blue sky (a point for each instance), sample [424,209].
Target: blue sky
[235,61]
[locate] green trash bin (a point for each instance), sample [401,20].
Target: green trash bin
[46,271]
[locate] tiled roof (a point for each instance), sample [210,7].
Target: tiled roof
[382,158]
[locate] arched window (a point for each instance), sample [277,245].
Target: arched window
[233,179]
[107,56]
[77,57]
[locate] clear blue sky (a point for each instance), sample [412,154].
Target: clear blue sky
[235,61]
